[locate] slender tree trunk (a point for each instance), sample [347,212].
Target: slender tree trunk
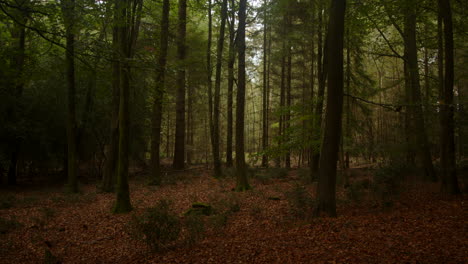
[242,182]
[322,75]
[68,11]
[287,123]
[447,135]
[159,91]
[129,14]
[209,81]
[231,61]
[415,90]
[109,178]
[179,148]
[265,90]
[219,57]
[17,65]
[326,188]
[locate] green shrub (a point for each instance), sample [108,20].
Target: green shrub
[49,258]
[158,227]
[7,225]
[301,202]
[387,181]
[229,172]
[305,176]
[7,201]
[194,227]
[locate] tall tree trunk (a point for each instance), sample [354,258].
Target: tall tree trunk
[179,148]
[412,70]
[17,65]
[231,61]
[326,188]
[209,81]
[109,177]
[447,134]
[241,170]
[68,11]
[322,75]
[159,91]
[265,98]
[129,14]
[219,58]
[287,124]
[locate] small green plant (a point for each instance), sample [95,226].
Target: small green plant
[194,226]
[386,183]
[7,201]
[229,172]
[49,258]
[158,227]
[354,192]
[305,176]
[7,225]
[301,202]
[47,213]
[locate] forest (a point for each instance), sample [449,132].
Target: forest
[164,131]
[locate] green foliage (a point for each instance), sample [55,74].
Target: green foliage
[7,201]
[157,227]
[198,209]
[355,190]
[387,182]
[266,175]
[7,225]
[49,258]
[194,226]
[301,202]
[304,175]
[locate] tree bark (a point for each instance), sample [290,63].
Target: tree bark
[241,170]
[322,75]
[326,188]
[447,135]
[68,11]
[179,146]
[219,57]
[129,15]
[265,98]
[17,64]
[159,91]
[231,61]
[412,80]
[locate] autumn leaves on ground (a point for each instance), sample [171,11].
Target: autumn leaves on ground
[378,222]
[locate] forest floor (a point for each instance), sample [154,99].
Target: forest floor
[269,224]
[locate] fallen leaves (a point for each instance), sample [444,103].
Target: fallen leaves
[424,228]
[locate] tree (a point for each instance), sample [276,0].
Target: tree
[158,97]
[447,141]
[230,66]
[179,148]
[322,57]
[219,58]
[326,188]
[68,13]
[241,170]
[129,13]
[17,61]
[109,177]
[265,92]
[414,91]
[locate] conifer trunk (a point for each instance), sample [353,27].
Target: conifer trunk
[179,145]
[326,188]
[241,170]
[158,97]
[447,134]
